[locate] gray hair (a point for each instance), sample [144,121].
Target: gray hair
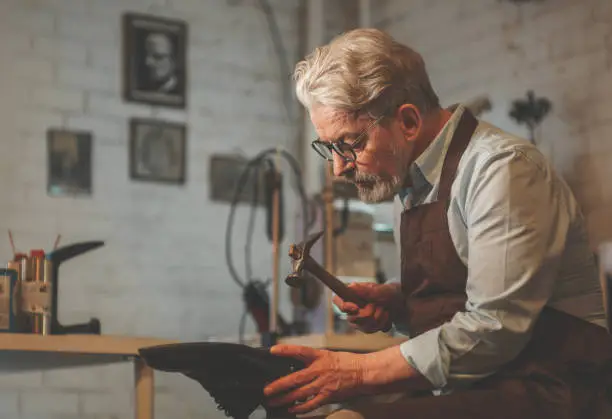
[361,70]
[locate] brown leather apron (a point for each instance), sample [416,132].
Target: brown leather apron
[562,370]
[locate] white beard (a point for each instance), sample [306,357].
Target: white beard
[379,190]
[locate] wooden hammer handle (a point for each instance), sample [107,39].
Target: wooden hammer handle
[337,286]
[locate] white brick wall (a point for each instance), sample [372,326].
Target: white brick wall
[561,49]
[9,400]
[162,272]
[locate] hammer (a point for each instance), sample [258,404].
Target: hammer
[302,261]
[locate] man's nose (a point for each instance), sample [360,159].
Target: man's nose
[341,166]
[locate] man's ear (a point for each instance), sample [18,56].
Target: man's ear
[410,120]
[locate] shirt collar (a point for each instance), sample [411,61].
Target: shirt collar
[428,166]
[426,170]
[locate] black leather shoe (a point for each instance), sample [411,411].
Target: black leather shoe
[233,374]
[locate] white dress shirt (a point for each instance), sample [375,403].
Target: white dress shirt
[517,227]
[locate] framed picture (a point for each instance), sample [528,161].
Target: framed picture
[69,162]
[154,60]
[157,151]
[226,172]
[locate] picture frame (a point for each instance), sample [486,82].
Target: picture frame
[226,175]
[157,151]
[69,162]
[155,60]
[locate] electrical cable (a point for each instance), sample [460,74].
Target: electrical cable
[251,226]
[255,164]
[238,191]
[308,217]
[281,54]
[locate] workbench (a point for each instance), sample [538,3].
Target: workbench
[37,352]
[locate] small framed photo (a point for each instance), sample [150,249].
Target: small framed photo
[157,151]
[154,60]
[69,162]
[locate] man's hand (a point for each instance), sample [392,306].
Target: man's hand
[331,377]
[385,303]
[328,377]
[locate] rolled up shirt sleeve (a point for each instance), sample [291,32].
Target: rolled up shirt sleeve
[516,229]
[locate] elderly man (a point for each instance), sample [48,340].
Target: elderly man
[499,290]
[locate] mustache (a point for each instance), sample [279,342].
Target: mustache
[355,176]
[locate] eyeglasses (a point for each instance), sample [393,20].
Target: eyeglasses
[344,150]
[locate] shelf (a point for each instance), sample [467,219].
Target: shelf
[77,344]
[129,346]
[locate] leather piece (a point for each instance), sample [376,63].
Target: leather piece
[233,374]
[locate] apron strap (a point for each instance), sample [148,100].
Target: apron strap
[461,138]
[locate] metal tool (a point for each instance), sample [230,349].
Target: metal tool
[8,300]
[40,290]
[37,286]
[303,262]
[56,258]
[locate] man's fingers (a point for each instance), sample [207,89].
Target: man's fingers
[379,294]
[373,325]
[379,312]
[345,306]
[363,314]
[298,394]
[365,290]
[367,311]
[289,382]
[349,308]
[295,379]
[303,353]
[371,319]
[310,405]
[366,326]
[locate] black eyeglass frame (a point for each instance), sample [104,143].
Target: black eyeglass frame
[318,145]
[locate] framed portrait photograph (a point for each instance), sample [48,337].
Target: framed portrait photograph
[154,60]
[69,156]
[157,151]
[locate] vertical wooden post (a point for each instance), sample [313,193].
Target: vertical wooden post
[143,390]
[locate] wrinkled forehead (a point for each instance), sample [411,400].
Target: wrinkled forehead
[331,123]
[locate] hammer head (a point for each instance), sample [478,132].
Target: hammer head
[299,253]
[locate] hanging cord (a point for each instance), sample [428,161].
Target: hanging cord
[252,170]
[261,158]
